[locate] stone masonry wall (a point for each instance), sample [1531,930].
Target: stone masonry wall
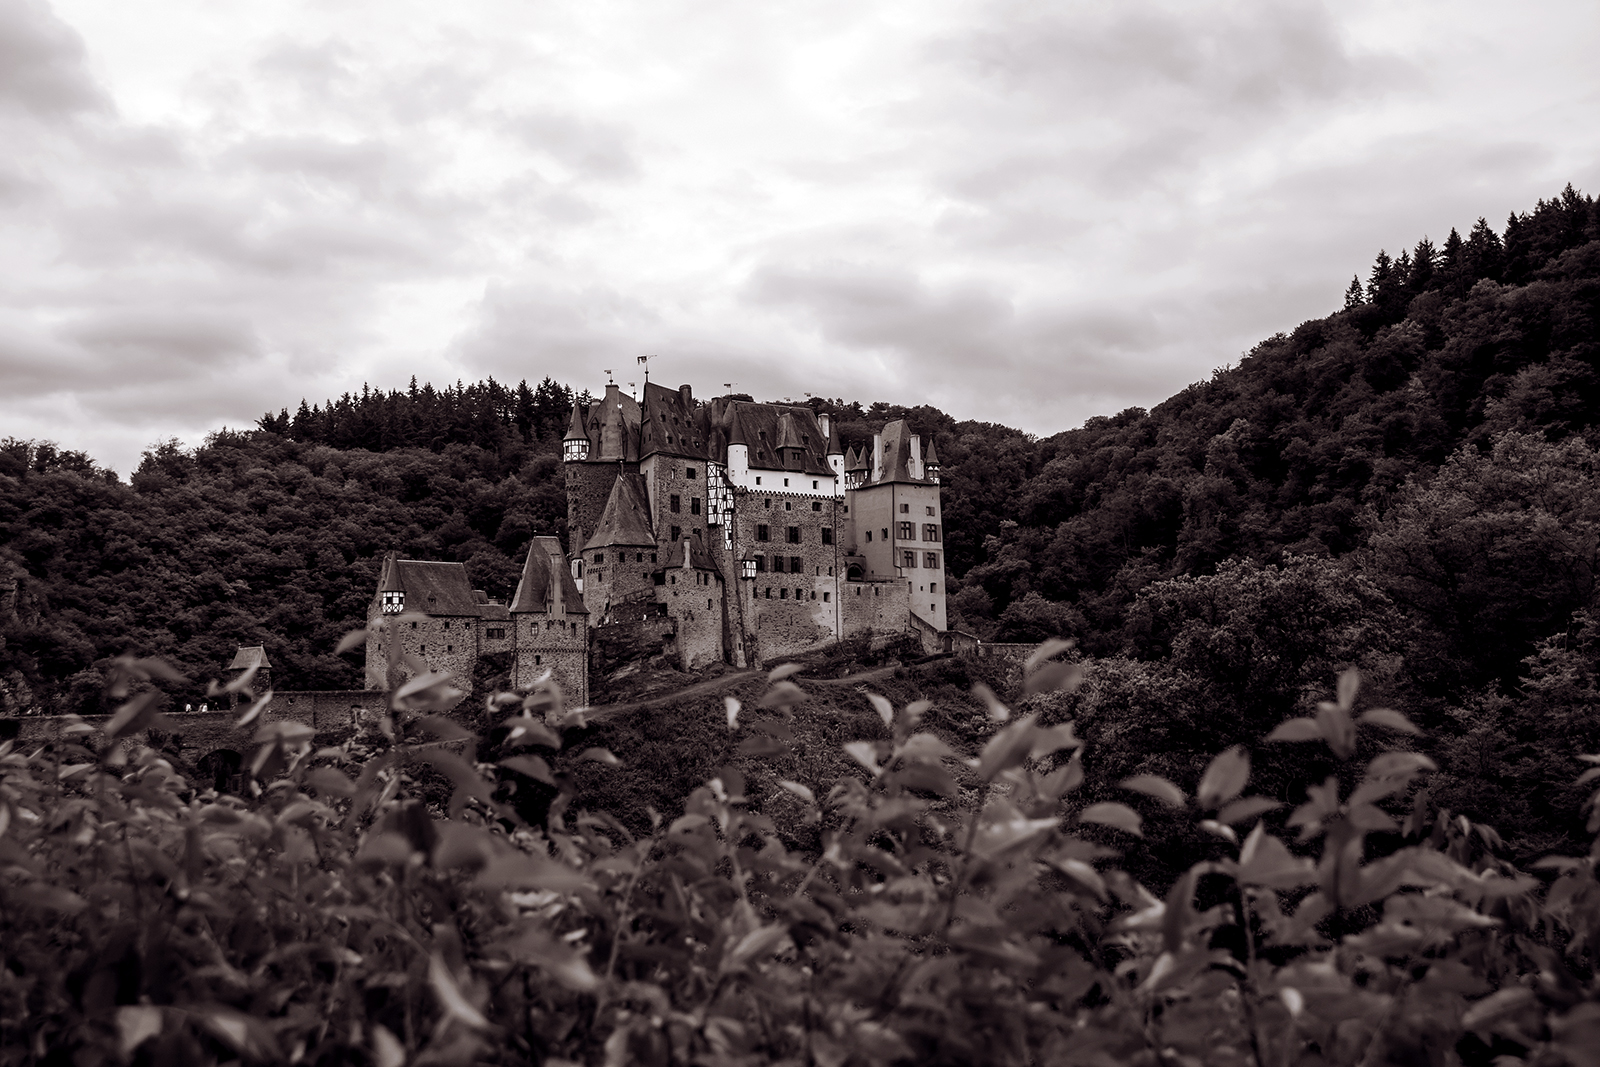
[558,645]
[790,611]
[588,486]
[879,609]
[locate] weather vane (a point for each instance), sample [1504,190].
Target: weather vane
[644,361]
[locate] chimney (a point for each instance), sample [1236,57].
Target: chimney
[687,396]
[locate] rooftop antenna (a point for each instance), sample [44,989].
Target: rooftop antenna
[633,390]
[609,379]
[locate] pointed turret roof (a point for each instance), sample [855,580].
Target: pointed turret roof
[930,457]
[575,428]
[546,585]
[834,448]
[389,579]
[249,656]
[626,518]
[857,460]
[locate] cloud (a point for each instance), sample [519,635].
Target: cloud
[587,148]
[42,63]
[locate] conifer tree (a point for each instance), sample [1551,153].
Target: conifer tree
[1353,296]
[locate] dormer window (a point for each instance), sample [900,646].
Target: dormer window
[394,602]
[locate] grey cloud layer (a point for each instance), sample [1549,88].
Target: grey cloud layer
[1030,213]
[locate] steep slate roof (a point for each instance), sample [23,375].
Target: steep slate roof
[612,426]
[699,558]
[929,456]
[436,588]
[896,438]
[833,447]
[546,584]
[858,459]
[626,518]
[389,580]
[671,423]
[249,656]
[761,427]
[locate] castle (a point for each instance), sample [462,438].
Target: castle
[730,531]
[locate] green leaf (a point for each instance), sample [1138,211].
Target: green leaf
[1116,816]
[1248,808]
[449,994]
[1225,778]
[353,639]
[1389,719]
[732,705]
[866,754]
[526,730]
[884,709]
[1349,685]
[801,791]
[132,716]
[762,941]
[787,670]
[1296,730]
[784,694]
[1053,676]
[1153,785]
[1006,749]
[1337,728]
[1266,861]
[1047,650]
[1052,739]
[532,766]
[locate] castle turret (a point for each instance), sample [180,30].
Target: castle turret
[930,463]
[833,452]
[391,593]
[575,446]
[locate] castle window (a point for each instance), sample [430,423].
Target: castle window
[769,592]
[799,594]
[449,648]
[827,598]
[691,473]
[816,505]
[677,533]
[788,506]
[708,603]
[933,587]
[827,535]
[761,564]
[930,531]
[423,649]
[794,535]
[674,579]
[694,506]
[930,509]
[447,624]
[908,531]
[599,557]
[413,626]
[758,482]
[494,633]
[786,483]
[905,509]
[777,564]
[660,578]
[930,559]
[783,594]
[762,534]
[767,503]
[537,660]
[813,483]
[638,557]
[908,559]
[886,533]
[796,565]
[869,536]
[674,505]
[847,509]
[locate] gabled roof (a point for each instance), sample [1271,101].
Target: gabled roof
[626,518]
[436,588]
[699,558]
[249,656]
[546,585]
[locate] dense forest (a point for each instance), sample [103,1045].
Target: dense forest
[1408,484]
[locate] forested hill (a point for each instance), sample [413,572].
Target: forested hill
[1323,443]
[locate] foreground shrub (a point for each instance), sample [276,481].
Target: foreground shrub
[961,907]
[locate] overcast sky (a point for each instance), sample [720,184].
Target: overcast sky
[1024,212]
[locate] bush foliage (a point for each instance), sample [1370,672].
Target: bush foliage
[389,902]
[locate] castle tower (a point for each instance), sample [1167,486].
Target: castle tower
[617,561]
[243,659]
[897,524]
[550,623]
